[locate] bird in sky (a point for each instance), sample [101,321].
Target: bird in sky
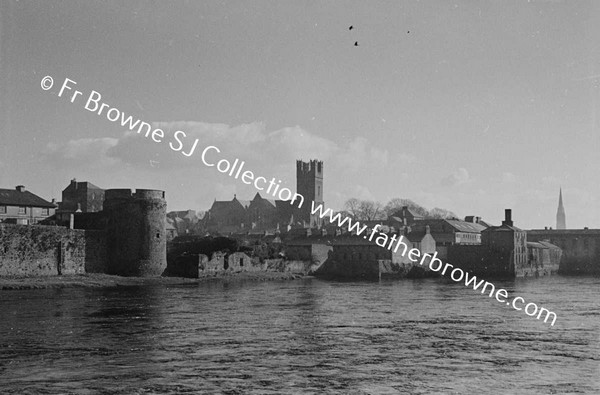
[351,27]
[356,43]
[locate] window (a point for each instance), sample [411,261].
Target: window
[44,211]
[22,210]
[2,209]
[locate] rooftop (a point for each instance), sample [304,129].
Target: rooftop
[21,197]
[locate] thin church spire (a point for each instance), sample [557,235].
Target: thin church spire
[561,222]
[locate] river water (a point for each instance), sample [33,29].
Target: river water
[302,336]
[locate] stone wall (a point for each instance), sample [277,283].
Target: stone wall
[48,251]
[580,248]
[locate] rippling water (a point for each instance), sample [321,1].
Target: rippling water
[306,336]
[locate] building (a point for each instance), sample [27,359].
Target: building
[184,222]
[507,238]
[268,215]
[82,197]
[19,206]
[448,232]
[404,217]
[309,184]
[228,216]
[502,252]
[561,221]
[543,258]
[357,257]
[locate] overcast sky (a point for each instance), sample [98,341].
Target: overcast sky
[472,106]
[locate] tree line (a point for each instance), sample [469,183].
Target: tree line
[369,210]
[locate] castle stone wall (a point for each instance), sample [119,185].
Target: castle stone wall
[27,250]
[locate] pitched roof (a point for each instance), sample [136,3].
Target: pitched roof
[503,227]
[484,223]
[220,204]
[463,226]
[533,244]
[549,245]
[12,197]
[90,185]
[82,184]
[438,225]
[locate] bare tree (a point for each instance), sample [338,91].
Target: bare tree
[364,210]
[352,206]
[371,210]
[441,213]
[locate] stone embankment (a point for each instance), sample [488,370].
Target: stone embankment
[108,281]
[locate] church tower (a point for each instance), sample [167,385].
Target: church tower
[309,184]
[561,222]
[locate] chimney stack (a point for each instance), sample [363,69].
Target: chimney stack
[20,188]
[507,217]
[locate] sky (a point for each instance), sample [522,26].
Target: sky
[471,106]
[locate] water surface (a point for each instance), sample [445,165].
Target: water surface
[304,336]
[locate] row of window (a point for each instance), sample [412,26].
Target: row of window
[22,210]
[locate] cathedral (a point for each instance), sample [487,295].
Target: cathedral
[268,215]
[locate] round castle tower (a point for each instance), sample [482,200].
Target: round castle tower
[135,234]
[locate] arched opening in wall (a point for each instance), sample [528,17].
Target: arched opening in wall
[158,235]
[241,262]
[225,264]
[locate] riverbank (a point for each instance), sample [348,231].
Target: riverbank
[94,280]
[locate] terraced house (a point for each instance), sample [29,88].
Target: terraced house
[19,206]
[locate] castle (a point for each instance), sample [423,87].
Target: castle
[126,238]
[261,215]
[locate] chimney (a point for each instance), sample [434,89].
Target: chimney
[74,182]
[20,188]
[427,229]
[477,220]
[507,217]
